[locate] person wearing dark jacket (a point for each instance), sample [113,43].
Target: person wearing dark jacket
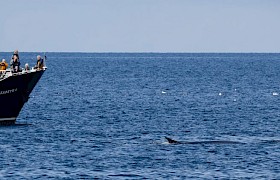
[15,63]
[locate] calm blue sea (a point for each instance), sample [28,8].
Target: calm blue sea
[105,115]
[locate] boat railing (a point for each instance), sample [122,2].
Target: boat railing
[8,72]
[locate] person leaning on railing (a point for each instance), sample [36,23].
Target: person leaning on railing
[3,65]
[40,63]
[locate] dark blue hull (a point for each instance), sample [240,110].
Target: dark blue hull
[14,92]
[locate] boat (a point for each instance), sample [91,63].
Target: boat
[15,89]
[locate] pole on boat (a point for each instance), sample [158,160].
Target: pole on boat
[45,60]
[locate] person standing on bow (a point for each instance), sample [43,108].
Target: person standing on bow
[15,63]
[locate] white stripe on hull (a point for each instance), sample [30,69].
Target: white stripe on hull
[8,119]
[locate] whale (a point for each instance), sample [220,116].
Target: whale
[172,141]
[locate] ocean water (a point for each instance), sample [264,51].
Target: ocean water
[106,115]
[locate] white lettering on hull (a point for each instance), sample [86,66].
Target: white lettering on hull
[8,91]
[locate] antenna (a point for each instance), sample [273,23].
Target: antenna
[45,60]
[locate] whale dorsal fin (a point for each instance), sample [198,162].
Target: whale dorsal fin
[171,141]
